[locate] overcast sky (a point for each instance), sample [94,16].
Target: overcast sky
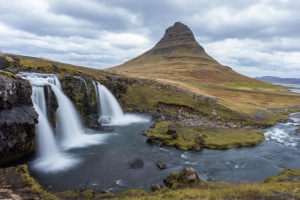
[255,38]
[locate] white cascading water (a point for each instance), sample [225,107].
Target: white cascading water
[109,105]
[95,84]
[43,126]
[69,129]
[49,156]
[68,120]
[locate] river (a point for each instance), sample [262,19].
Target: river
[107,166]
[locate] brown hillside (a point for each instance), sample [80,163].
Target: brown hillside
[179,56]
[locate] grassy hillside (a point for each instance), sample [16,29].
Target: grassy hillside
[177,59]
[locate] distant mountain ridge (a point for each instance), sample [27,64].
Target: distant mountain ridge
[275,79]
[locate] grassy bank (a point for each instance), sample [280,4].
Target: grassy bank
[279,189]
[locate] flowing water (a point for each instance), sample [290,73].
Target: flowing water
[123,160]
[109,106]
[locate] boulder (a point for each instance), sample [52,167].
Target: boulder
[105,120]
[188,175]
[156,187]
[161,165]
[171,179]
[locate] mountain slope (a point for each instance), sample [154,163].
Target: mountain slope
[179,56]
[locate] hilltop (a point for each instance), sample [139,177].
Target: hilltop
[178,59]
[178,55]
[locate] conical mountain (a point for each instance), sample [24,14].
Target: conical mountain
[178,56]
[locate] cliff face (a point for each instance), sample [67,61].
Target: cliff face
[81,92]
[17,117]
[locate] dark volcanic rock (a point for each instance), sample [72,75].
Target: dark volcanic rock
[136,163]
[51,105]
[156,187]
[179,35]
[186,177]
[3,63]
[161,165]
[17,117]
[82,93]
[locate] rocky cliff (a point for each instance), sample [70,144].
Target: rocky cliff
[82,93]
[17,117]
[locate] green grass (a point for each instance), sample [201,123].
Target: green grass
[34,186]
[189,136]
[282,190]
[255,86]
[286,175]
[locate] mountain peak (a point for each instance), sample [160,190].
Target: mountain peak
[179,35]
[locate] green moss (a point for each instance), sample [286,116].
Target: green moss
[8,74]
[76,194]
[34,186]
[190,136]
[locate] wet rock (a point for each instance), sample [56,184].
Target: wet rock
[136,163]
[150,140]
[153,140]
[156,187]
[17,117]
[297,131]
[174,136]
[51,105]
[105,120]
[196,149]
[188,175]
[171,179]
[171,131]
[161,165]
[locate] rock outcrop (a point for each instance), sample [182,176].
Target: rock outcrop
[186,177]
[51,105]
[178,36]
[82,93]
[17,117]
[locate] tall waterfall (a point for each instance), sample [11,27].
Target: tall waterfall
[70,132]
[109,105]
[50,157]
[43,126]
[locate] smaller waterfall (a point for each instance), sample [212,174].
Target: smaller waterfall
[109,104]
[97,96]
[69,125]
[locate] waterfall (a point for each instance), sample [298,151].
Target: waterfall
[109,105]
[43,126]
[50,158]
[69,126]
[45,136]
[97,96]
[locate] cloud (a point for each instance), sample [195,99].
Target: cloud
[252,37]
